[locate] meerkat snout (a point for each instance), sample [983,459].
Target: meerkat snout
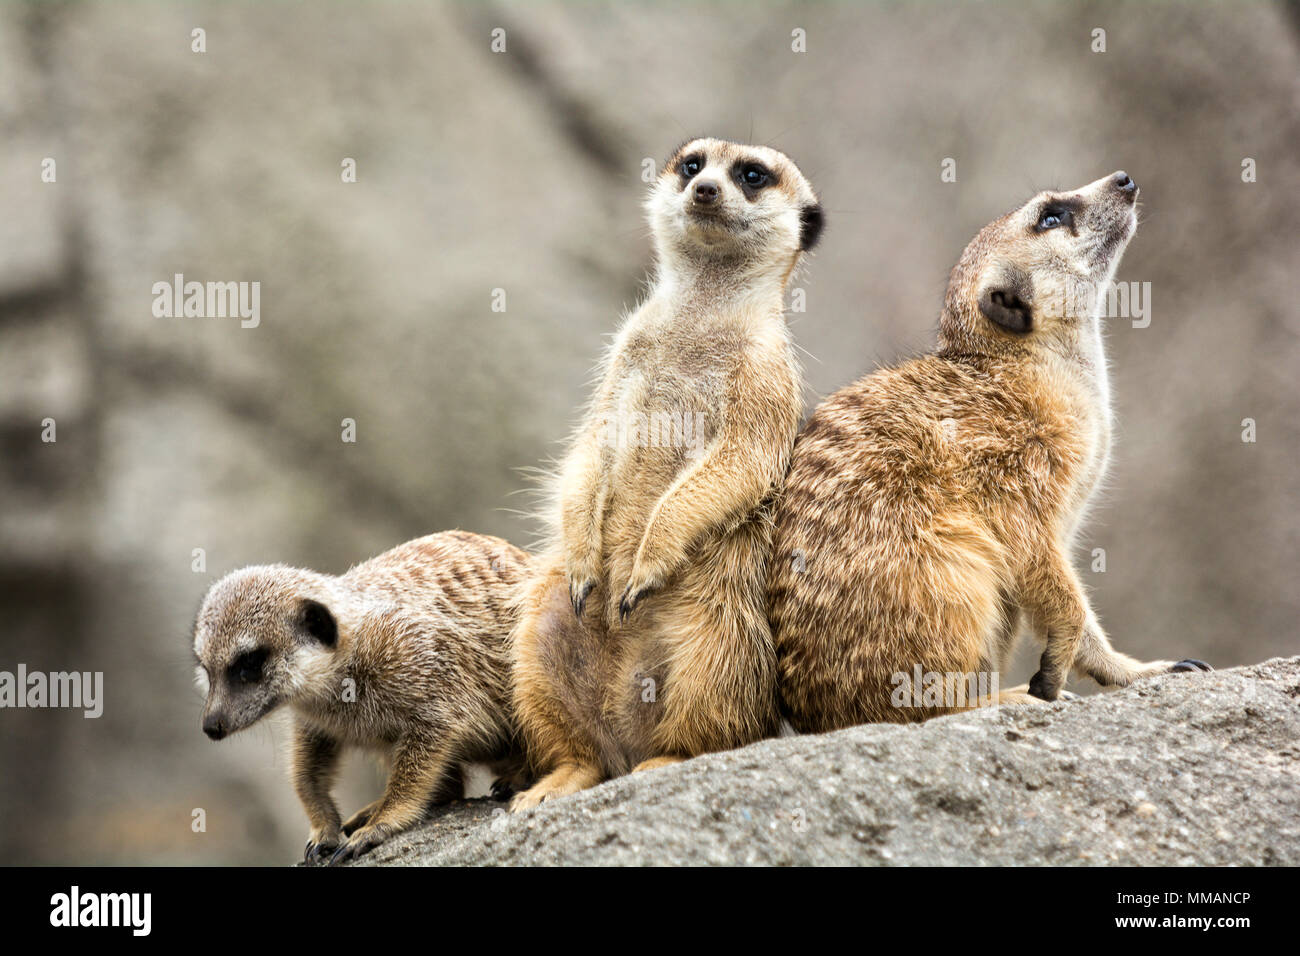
[214,725]
[706,193]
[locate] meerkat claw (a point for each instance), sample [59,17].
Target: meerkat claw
[633,596]
[359,844]
[578,595]
[1190,665]
[315,853]
[629,602]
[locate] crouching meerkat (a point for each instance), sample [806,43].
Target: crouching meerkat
[929,506]
[405,654]
[643,637]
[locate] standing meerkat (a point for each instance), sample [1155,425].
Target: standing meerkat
[643,638]
[406,654]
[929,505]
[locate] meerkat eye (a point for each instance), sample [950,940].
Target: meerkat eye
[1053,216]
[247,667]
[691,167]
[754,175]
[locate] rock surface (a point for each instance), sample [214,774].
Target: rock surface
[1178,770]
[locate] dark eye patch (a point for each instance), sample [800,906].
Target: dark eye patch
[247,667]
[1056,213]
[752,177]
[690,167]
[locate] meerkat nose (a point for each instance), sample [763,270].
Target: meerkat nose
[706,192]
[214,727]
[1123,183]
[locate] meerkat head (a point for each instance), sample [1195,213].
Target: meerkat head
[262,637]
[717,200]
[1042,269]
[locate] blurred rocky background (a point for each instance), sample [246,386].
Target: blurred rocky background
[521,171]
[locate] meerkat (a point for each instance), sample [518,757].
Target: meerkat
[643,638]
[405,655]
[931,505]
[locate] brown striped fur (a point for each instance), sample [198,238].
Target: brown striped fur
[930,506]
[659,552]
[422,634]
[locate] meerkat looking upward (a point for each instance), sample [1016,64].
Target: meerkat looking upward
[930,505]
[643,638]
[405,654]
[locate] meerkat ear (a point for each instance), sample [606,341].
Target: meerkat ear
[319,623]
[811,221]
[1007,302]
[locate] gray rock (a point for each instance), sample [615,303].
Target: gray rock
[1185,769]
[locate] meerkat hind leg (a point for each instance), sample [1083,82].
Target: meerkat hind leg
[1075,641]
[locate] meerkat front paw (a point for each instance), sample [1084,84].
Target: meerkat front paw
[320,845]
[361,842]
